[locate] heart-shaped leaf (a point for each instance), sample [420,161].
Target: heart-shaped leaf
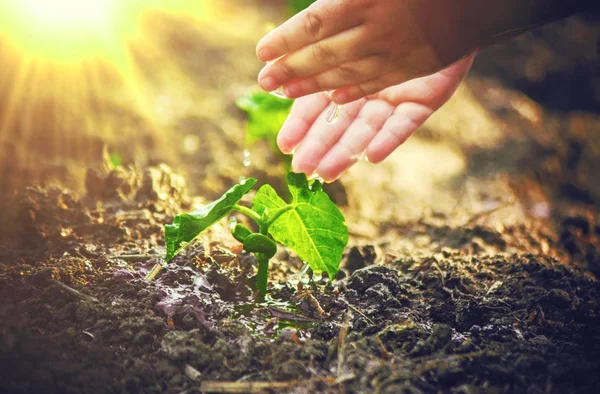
[313,226]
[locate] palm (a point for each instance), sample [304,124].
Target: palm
[373,126]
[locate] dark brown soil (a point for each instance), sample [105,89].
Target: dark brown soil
[484,281]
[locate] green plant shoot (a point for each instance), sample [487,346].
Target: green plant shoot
[266,114]
[310,224]
[296,6]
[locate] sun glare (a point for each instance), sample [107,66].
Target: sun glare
[71,12]
[66,30]
[78,74]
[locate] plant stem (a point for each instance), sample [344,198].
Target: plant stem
[154,272]
[137,257]
[262,276]
[250,213]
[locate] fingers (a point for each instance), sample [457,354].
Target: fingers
[407,118]
[440,85]
[303,114]
[321,137]
[352,145]
[320,20]
[367,88]
[317,57]
[375,126]
[352,72]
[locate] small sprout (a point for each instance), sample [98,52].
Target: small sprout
[310,224]
[258,243]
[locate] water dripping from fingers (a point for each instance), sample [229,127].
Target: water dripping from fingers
[279,92]
[247,158]
[361,157]
[246,162]
[333,111]
[316,177]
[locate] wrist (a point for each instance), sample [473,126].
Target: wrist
[485,22]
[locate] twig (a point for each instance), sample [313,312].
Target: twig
[283,314]
[192,373]
[243,387]
[355,309]
[137,257]
[342,342]
[384,352]
[76,293]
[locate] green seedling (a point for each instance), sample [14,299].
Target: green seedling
[296,6]
[266,114]
[310,224]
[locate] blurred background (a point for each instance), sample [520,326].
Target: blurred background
[103,84]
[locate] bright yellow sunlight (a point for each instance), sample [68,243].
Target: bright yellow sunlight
[68,30]
[64,30]
[73,12]
[77,74]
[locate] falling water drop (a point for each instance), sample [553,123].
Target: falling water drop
[316,177]
[333,112]
[247,159]
[279,92]
[362,156]
[232,221]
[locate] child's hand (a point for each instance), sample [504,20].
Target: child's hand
[375,125]
[360,47]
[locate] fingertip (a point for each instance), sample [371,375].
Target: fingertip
[345,96]
[373,156]
[380,148]
[265,54]
[328,174]
[301,166]
[334,165]
[328,179]
[268,83]
[291,134]
[286,146]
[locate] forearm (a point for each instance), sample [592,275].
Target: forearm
[456,28]
[490,20]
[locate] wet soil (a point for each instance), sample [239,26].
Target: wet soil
[76,317]
[474,272]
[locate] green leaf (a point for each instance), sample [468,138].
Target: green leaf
[188,226]
[314,227]
[266,114]
[240,232]
[259,243]
[296,6]
[267,200]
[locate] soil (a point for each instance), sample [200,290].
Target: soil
[473,268]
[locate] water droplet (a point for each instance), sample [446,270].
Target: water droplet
[362,156]
[247,159]
[316,177]
[242,179]
[279,92]
[232,222]
[333,112]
